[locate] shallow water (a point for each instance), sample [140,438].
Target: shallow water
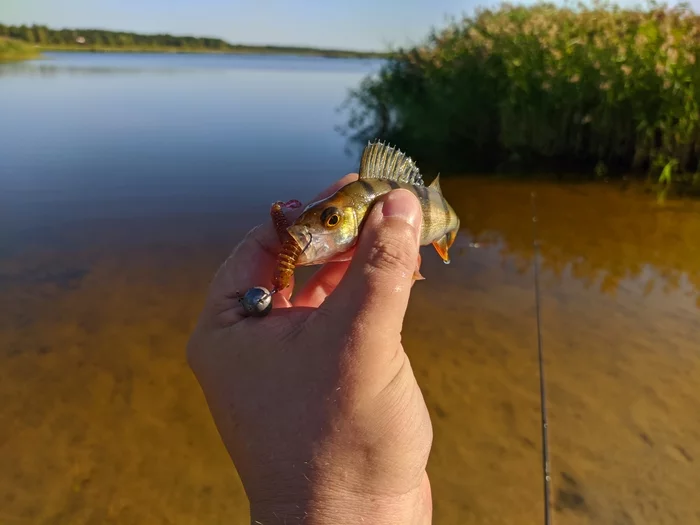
[127,180]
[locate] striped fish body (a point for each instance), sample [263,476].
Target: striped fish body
[439,218]
[331,226]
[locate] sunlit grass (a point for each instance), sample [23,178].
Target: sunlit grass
[11,49]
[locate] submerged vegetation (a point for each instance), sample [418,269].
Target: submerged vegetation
[101,40]
[11,49]
[595,89]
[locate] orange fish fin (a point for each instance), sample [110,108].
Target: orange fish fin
[417,276]
[443,244]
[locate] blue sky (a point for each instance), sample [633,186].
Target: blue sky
[350,24]
[353,24]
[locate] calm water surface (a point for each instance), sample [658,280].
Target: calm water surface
[126,179]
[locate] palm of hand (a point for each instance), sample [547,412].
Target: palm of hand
[310,396]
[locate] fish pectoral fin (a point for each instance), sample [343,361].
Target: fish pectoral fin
[443,244]
[417,276]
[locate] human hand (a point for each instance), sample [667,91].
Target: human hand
[316,403]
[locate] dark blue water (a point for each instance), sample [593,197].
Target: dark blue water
[87,136]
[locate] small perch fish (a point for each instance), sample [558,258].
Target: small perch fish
[330,226]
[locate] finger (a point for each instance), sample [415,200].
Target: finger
[376,287]
[253,260]
[325,280]
[321,284]
[252,263]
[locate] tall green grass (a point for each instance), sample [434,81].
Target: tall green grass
[593,88]
[11,50]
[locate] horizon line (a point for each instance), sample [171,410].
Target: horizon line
[185,35]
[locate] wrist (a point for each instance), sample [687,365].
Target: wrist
[324,506]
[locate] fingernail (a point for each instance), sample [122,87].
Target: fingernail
[402,204]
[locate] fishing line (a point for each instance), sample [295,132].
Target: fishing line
[543,386]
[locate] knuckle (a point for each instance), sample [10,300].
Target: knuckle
[391,255]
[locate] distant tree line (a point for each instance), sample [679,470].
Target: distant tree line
[44,36]
[97,39]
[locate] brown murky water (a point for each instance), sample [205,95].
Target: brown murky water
[102,422]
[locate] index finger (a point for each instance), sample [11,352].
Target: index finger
[253,260]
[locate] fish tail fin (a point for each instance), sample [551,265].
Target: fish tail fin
[443,244]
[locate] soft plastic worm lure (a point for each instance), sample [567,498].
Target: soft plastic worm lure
[290,251]
[257,301]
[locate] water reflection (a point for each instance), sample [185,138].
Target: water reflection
[89,64]
[229,131]
[601,235]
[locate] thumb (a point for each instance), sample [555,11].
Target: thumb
[373,295]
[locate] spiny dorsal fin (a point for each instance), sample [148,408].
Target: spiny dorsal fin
[380,161]
[436,184]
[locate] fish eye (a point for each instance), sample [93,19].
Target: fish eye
[330,217]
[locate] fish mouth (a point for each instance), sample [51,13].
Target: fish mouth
[303,237]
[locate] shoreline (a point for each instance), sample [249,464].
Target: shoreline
[12,50]
[38,38]
[244,50]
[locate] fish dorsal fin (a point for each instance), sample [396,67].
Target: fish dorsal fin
[380,161]
[435,185]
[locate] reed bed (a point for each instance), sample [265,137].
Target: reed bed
[593,88]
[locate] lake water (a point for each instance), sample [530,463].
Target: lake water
[126,179]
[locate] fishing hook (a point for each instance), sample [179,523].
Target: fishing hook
[311,239]
[543,387]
